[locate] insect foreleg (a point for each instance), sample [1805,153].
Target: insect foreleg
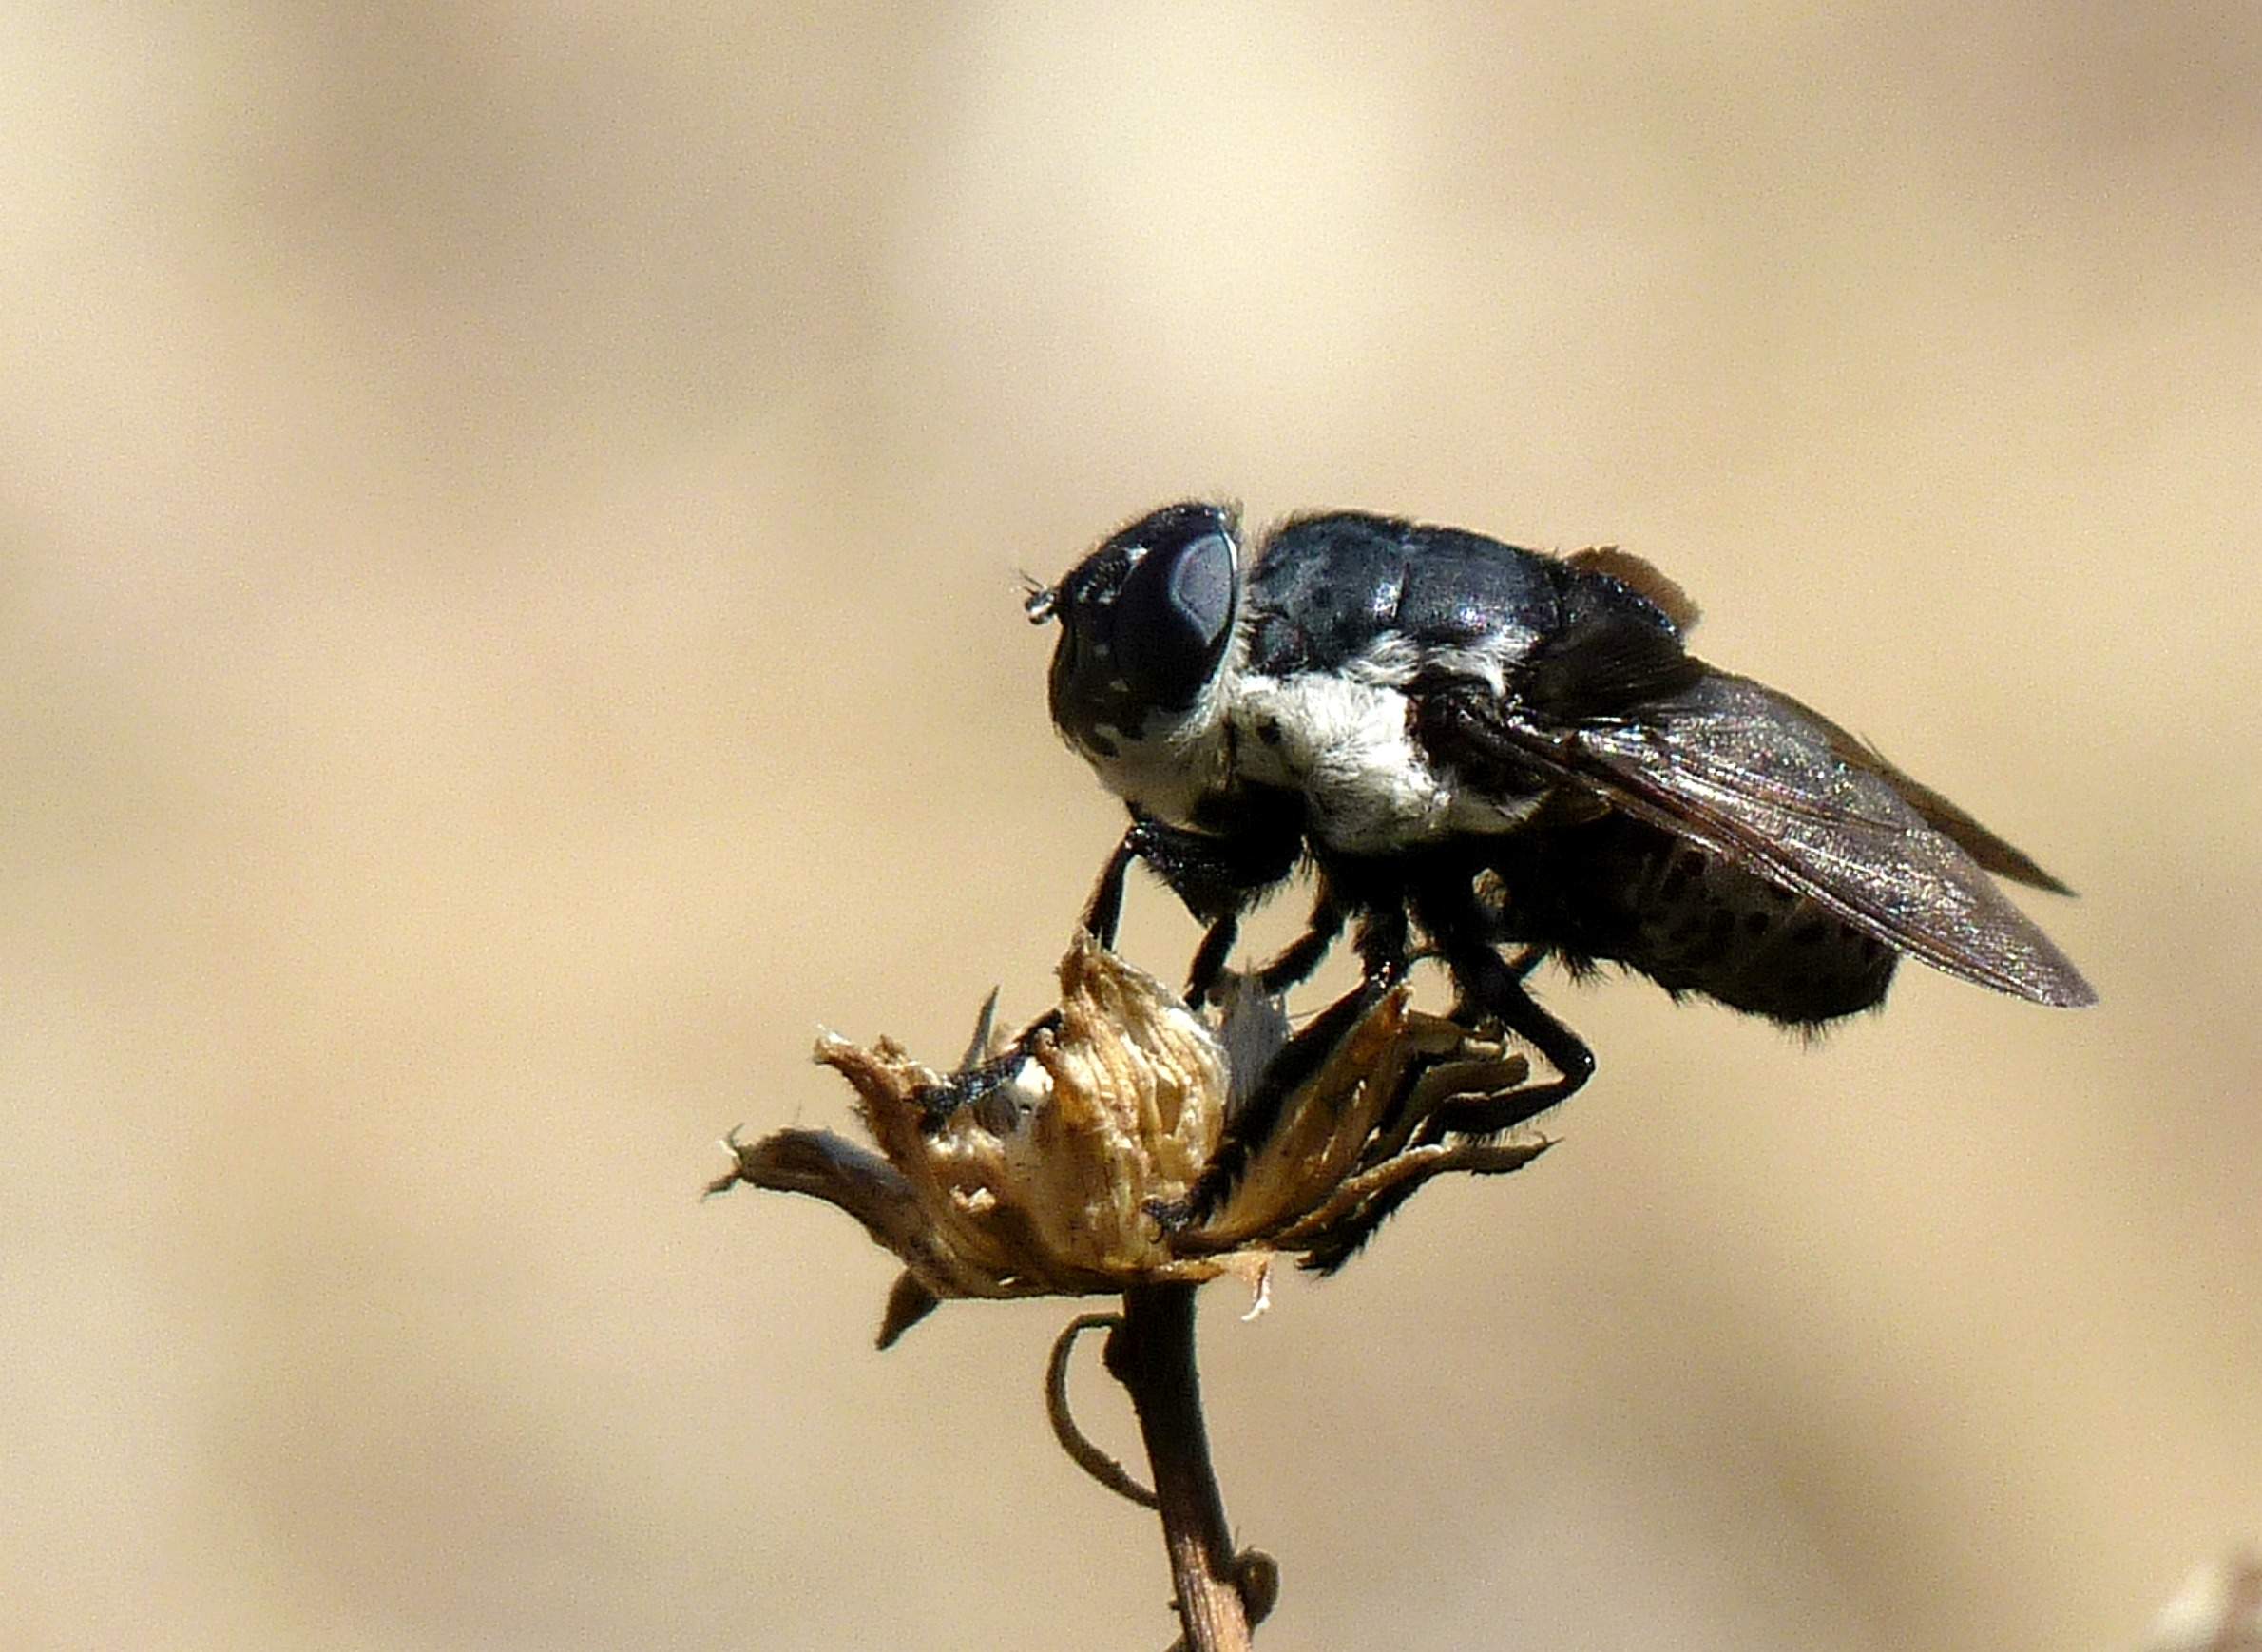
[1214,875]
[1103,913]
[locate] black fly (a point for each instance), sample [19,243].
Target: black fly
[1479,746]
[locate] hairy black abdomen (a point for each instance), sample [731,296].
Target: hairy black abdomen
[1618,890]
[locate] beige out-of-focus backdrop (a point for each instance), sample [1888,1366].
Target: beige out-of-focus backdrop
[508,525]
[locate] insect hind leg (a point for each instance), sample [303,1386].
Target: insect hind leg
[1494,986]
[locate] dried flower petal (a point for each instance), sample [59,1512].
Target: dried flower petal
[1109,1110]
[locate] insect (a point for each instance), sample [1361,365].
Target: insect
[1479,747]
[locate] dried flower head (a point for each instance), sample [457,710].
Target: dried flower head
[1050,1163]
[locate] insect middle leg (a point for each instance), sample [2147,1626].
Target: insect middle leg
[1295,963]
[1382,944]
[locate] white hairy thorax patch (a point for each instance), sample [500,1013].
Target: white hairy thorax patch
[1346,743]
[1342,738]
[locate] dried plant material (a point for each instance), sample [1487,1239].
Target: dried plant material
[1038,1168]
[1073,1440]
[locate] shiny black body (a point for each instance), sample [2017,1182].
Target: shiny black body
[1328,587]
[1478,746]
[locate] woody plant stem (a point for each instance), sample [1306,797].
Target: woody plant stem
[1151,1354]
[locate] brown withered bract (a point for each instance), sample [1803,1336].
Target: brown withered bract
[1049,1184]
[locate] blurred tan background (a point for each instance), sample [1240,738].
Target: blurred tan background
[509,518]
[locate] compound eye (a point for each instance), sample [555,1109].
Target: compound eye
[1175,615]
